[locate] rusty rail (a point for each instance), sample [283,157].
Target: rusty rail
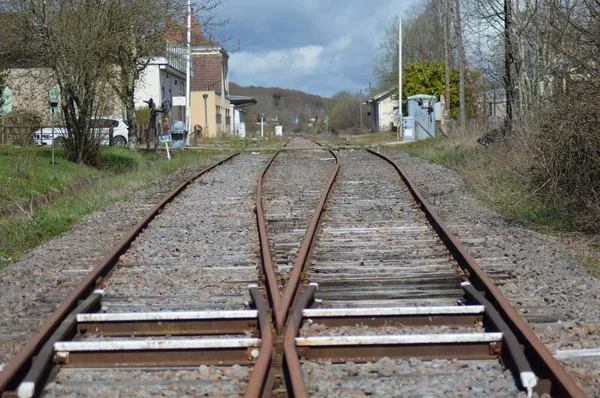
[542,361]
[259,378]
[265,250]
[291,289]
[281,303]
[18,366]
[292,360]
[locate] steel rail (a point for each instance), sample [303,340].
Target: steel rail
[17,367]
[541,359]
[292,359]
[291,289]
[281,303]
[265,250]
[258,379]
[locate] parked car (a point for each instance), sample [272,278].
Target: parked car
[100,127]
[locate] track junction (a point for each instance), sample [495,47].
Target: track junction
[287,279]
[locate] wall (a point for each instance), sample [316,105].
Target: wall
[197,113]
[30,92]
[159,81]
[238,124]
[386,113]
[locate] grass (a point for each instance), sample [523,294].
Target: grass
[28,172]
[497,175]
[121,173]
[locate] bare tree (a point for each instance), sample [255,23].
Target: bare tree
[154,28]
[422,40]
[73,39]
[145,29]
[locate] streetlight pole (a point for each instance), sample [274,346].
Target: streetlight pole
[188,74]
[205,96]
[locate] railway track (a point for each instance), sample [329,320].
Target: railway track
[347,283]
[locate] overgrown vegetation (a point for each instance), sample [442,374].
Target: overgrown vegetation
[498,176]
[26,174]
[503,176]
[566,156]
[22,125]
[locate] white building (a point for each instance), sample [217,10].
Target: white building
[384,110]
[163,79]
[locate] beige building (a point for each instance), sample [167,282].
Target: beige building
[209,103]
[384,110]
[30,89]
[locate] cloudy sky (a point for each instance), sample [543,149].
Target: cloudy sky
[317,46]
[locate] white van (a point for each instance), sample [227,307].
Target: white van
[100,126]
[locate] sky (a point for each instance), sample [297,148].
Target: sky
[317,46]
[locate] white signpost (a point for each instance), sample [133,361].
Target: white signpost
[166,139]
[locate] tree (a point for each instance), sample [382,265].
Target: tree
[152,28]
[74,40]
[144,35]
[344,110]
[422,40]
[429,78]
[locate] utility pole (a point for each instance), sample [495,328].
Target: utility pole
[509,58]
[447,66]
[400,70]
[188,76]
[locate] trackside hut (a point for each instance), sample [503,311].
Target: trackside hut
[384,110]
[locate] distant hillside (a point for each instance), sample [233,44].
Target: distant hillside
[285,105]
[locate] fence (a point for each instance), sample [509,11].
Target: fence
[16,135]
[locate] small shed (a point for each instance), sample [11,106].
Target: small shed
[384,110]
[421,108]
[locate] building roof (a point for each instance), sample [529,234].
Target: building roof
[382,95]
[241,100]
[421,96]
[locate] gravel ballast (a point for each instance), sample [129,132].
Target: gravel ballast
[32,287]
[559,300]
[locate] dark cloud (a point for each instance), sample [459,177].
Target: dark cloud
[320,47]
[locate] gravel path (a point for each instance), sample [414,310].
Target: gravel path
[559,300]
[410,378]
[31,288]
